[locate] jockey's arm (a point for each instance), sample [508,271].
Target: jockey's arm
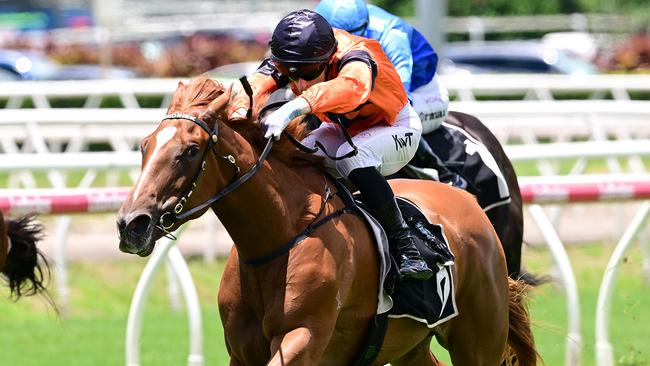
[347,91]
[262,82]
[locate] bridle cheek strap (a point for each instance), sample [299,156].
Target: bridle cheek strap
[169,218]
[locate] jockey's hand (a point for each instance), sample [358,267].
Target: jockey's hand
[239,102]
[277,121]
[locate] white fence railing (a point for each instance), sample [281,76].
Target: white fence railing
[18,165]
[41,130]
[539,23]
[464,87]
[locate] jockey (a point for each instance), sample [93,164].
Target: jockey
[338,75]
[415,60]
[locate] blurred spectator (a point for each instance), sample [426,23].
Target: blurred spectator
[631,55]
[179,56]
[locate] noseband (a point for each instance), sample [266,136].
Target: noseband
[169,218]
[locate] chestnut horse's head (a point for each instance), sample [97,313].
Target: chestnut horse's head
[174,158]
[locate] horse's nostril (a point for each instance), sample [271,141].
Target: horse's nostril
[139,225]
[121,225]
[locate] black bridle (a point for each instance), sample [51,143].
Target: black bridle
[169,218]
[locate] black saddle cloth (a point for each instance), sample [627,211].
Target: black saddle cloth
[431,301]
[462,155]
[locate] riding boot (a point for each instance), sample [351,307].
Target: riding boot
[380,199]
[425,157]
[411,264]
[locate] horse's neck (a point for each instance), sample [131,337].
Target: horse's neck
[271,208]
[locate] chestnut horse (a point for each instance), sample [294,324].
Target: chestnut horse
[507,218]
[311,302]
[21,263]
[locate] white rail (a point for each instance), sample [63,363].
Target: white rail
[464,87]
[22,167]
[42,130]
[131,159]
[543,87]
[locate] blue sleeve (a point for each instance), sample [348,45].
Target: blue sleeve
[397,46]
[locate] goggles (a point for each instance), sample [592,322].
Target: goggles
[296,71]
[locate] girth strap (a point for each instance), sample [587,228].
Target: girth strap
[350,207]
[307,232]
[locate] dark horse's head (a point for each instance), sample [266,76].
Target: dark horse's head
[174,159]
[21,263]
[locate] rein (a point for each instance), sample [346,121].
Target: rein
[169,218]
[350,206]
[312,150]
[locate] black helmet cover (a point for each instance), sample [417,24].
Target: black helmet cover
[302,36]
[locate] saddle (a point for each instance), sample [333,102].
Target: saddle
[410,295]
[431,301]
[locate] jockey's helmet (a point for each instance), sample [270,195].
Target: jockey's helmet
[302,37]
[350,15]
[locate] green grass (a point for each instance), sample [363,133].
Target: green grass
[93,333]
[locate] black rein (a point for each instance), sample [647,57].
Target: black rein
[178,213]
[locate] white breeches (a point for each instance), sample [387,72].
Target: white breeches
[431,102]
[387,148]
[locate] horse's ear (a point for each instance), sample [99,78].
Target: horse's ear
[216,106]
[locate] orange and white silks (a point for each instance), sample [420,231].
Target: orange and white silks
[360,84]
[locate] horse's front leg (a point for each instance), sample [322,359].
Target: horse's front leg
[297,347]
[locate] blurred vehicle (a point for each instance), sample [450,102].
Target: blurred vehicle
[511,57]
[28,65]
[581,44]
[234,71]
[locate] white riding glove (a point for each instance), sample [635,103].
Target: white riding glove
[277,121]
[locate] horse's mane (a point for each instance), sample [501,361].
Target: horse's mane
[202,90]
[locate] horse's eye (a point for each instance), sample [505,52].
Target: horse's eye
[192,150]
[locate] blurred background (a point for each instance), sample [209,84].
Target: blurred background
[563,85]
[130,38]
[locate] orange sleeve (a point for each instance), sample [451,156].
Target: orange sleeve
[344,93]
[260,84]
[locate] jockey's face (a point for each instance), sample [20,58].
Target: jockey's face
[303,85]
[306,71]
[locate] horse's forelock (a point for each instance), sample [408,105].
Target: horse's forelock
[204,91]
[199,92]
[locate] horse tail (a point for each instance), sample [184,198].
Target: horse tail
[521,344]
[533,279]
[26,269]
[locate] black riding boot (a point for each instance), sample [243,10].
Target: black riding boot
[379,197]
[410,261]
[426,158]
